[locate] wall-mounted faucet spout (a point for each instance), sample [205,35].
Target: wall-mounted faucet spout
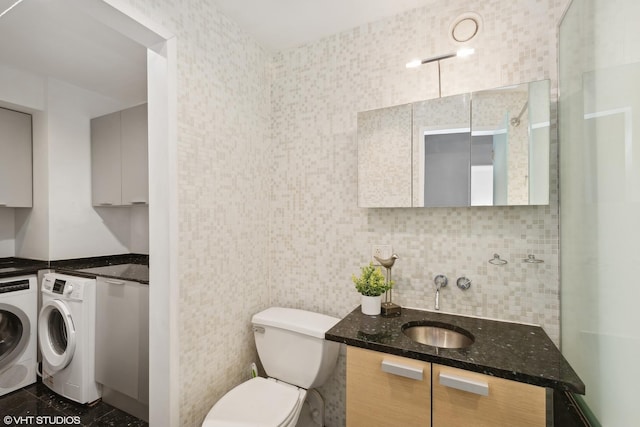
[441,281]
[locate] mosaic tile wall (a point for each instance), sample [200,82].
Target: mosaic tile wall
[319,236]
[267,165]
[223,141]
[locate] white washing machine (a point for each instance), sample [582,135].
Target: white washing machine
[18,317]
[66,332]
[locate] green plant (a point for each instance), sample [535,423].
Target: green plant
[371,282]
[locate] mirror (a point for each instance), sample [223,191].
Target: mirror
[442,131]
[384,157]
[488,148]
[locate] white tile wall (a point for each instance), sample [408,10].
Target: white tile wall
[267,178]
[319,236]
[223,157]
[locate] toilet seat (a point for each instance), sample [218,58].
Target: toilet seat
[259,402]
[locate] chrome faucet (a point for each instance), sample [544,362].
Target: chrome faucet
[441,281]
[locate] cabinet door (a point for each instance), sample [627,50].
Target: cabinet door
[106,163]
[135,169]
[122,337]
[463,398]
[385,390]
[16,175]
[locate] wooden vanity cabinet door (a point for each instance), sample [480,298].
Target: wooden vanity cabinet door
[507,403]
[376,398]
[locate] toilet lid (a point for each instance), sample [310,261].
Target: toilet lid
[258,402]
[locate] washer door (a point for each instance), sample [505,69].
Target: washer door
[15,330]
[56,334]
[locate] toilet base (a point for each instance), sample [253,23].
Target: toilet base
[312,414]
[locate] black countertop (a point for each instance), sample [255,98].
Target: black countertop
[11,267]
[133,267]
[513,351]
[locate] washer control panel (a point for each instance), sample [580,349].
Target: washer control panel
[64,286]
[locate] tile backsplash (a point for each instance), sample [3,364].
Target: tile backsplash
[319,236]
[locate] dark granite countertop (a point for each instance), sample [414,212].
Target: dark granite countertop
[513,351]
[11,267]
[133,267]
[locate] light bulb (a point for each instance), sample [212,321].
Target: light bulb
[465,52]
[414,63]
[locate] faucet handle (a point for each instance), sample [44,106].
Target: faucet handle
[463,283]
[441,281]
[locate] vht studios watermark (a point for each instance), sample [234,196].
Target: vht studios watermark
[41,420]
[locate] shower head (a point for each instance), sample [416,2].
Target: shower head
[515,122]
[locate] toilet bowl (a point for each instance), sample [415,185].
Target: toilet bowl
[258,402]
[295,356]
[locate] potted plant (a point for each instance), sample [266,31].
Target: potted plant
[371,284]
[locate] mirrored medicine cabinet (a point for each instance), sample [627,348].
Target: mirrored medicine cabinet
[487,148]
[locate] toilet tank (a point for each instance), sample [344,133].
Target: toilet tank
[291,345]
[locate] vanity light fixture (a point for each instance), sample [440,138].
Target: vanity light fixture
[461,53]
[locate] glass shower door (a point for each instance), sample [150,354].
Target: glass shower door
[599,108]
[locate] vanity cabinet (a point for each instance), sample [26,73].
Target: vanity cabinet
[463,398]
[122,337]
[16,170]
[385,390]
[119,158]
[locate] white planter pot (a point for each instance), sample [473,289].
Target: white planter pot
[371,305]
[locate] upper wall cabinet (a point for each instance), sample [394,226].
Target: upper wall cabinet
[119,159]
[488,148]
[16,173]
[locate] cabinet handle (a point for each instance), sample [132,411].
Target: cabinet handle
[105,204]
[395,368]
[464,384]
[139,203]
[114,282]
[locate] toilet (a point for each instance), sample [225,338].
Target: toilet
[295,356]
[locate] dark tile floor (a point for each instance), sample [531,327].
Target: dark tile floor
[36,405]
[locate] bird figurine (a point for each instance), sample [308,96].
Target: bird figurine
[388,262]
[388,308]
